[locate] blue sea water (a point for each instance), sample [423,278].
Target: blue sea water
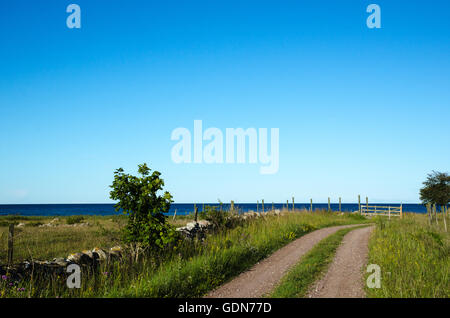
[181,208]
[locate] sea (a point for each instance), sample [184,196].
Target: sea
[180,208]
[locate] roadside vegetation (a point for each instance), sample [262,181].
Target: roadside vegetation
[191,268]
[414,257]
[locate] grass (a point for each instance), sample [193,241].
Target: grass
[46,243]
[192,268]
[299,279]
[414,258]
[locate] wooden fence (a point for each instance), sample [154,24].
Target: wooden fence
[384,210]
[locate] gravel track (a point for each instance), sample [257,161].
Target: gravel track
[344,278]
[263,277]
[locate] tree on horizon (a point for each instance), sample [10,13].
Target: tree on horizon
[436,189]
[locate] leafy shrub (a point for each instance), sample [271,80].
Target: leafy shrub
[219,218]
[74,219]
[215,216]
[139,198]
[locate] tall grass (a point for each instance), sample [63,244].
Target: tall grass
[414,258]
[193,268]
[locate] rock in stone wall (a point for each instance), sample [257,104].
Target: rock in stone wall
[195,229]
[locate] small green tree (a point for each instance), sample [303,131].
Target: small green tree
[436,189]
[141,199]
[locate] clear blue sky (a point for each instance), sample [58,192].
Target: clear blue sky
[359,110]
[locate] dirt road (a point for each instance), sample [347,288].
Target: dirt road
[345,274]
[262,277]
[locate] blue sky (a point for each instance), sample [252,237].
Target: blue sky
[360,111]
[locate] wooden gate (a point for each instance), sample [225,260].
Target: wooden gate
[384,210]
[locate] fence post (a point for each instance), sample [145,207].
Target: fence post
[435,214]
[446,211]
[293,204]
[175,214]
[340,210]
[232,207]
[196,212]
[443,216]
[401,210]
[263,205]
[311,206]
[359,203]
[390,213]
[272,207]
[429,213]
[10,244]
[367,204]
[287,205]
[329,208]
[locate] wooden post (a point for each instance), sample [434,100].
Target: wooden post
[367,205]
[446,211]
[329,207]
[401,210]
[196,213]
[10,244]
[293,204]
[443,217]
[429,213]
[287,205]
[232,207]
[175,214]
[263,205]
[310,209]
[435,214]
[340,210]
[390,213]
[359,203]
[273,209]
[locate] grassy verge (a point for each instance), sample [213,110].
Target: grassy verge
[414,258]
[297,282]
[192,269]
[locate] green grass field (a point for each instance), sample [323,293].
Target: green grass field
[414,258]
[46,243]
